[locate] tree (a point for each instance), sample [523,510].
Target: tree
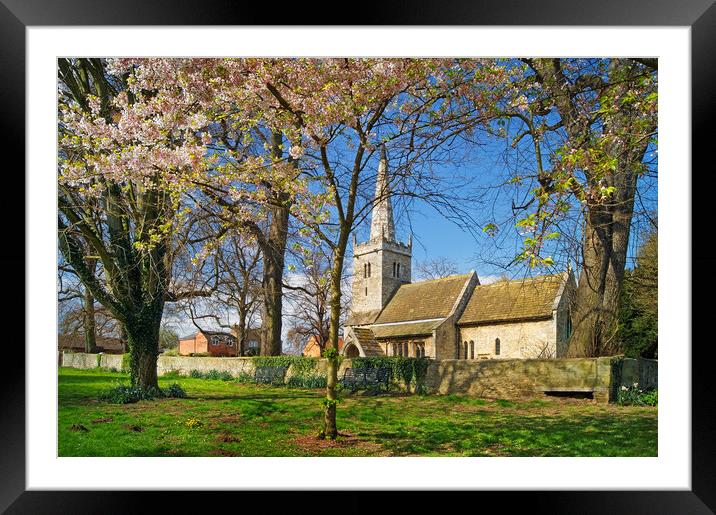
[121,150]
[638,303]
[436,268]
[309,295]
[344,111]
[168,338]
[591,125]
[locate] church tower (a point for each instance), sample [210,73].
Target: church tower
[381,264]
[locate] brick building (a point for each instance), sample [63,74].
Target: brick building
[217,343]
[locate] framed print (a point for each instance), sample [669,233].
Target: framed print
[145,97]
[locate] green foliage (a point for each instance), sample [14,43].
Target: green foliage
[99,359]
[216,375]
[638,304]
[176,391]
[408,370]
[635,396]
[331,353]
[311,381]
[127,394]
[172,374]
[168,339]
[301,364]
[126,362]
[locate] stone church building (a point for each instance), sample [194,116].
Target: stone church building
[451,318]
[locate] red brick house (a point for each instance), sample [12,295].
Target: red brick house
[217,343]
[314,351]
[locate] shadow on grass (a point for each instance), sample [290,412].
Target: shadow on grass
[495,435]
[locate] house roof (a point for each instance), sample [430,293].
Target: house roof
[424,300]
[401,330]
[505,301]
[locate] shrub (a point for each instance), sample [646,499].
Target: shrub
[175,391]
[126,394]
[312,381]
[245,378]
[171,352]
[635,396]
[125,362]
[173,374]
[216,375]
[200,355]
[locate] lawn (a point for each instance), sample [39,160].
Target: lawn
[226,418]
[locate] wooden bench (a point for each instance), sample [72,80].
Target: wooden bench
[270,375]
[366,378]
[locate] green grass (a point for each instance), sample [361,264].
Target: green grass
[226,418]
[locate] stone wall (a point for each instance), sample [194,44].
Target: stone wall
[517,378]
[82,360]
[491,378]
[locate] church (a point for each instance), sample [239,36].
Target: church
[450,318]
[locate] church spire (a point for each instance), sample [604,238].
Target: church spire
[382,226]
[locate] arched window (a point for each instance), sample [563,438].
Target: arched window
[368,269]
[497,346]
[393,269]
[398,271]
[464,350]
[365,270]
[472,349]
[394,349]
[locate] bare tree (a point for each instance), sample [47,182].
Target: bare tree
[436,268]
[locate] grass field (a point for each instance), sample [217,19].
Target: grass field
[220,418]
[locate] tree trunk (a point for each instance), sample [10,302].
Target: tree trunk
[143,339]
[241,332]
[330,429]
[89,323]
[274,251]
[273,284]
[606,238]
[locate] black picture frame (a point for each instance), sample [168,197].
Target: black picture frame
[700,15]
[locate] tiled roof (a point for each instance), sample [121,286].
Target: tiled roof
[513,300]
[366,339]
[424,300]
[362,318]
[400,330]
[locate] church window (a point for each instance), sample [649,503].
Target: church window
[397,273]
[368,269]
[472,349]
[366,291]
[465,350]
[393,268]
[365,270]
[497,346]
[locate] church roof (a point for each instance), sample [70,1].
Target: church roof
[505,301]
[424,300]
[366,340]
[402,330]
[362,318]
